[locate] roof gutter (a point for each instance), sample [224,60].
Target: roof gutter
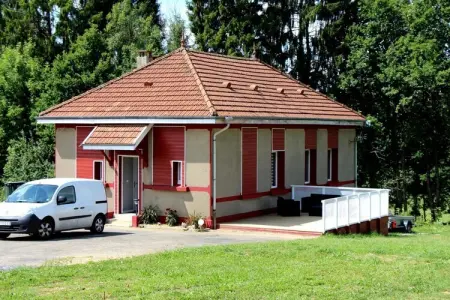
[227,119]
[207,120]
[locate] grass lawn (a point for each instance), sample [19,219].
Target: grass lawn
[345,267]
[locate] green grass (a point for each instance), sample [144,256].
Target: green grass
[413,266]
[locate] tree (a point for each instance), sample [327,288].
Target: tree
[18,70]
[177,31]
[226,27]
[397,73]
[130,29]
[28,160]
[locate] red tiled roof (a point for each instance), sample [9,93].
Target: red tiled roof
[191,84]
[123,135]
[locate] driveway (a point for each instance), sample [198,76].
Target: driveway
[81,246]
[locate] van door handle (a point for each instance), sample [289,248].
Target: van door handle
[81,207]
[75,208]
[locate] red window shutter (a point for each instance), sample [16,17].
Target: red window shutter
[310,139]
[278,139]
[168,145]
[334,165]
[333,138]
[85,158]
[313,174]
[280,170]
[249,160]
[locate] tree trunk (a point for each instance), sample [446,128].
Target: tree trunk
[430,196]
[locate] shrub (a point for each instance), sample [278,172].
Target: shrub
[193,220]
[171,217]
[149,215]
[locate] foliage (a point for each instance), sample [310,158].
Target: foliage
[397,73]
[171,217]
[28,160]
[193,219]
[129,29]
[370,263]
[150,215]
[2,193]
[53,50]
[18,72]
[177,30]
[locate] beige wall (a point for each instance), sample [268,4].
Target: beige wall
[228,163]
[197,157]
[264,159]
[244,206]
[294,157]
[110,198]
[346,155]
[322,156]
[184,203]
[109,172]
[65,152]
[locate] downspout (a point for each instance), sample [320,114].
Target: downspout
[215,170]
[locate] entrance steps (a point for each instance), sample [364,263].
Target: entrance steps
[121,220]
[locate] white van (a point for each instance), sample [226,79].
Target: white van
[46,206]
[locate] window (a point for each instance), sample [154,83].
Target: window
[307,166]
[69,193]
[98,170]
[274,167]
[329,164]
[176,173]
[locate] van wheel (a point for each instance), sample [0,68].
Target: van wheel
[4,236]
[98,225]
[409,227]
[45,229]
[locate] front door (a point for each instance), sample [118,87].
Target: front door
[130,183]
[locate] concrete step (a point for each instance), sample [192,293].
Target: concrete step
[121,220]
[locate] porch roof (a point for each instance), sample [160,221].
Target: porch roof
[114,137]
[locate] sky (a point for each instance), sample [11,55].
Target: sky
[169,6]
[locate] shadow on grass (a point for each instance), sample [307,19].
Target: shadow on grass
[68,235]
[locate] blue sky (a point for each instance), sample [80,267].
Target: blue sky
[169,6]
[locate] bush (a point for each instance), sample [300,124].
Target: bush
[171,217]
[28,160]
[149,215]
[193,220]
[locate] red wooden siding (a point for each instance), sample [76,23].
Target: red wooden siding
[333,135]
[85,158]
[249,160]
[310,139]
[278,139]
[168,145]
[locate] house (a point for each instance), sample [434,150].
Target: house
[199,132]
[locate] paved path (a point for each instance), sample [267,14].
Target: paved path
[81,246]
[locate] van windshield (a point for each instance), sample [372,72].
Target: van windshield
[33,193]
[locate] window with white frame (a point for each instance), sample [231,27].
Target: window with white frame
[98,170]
[329,165]
[307,165]
[176,173]
[274,166]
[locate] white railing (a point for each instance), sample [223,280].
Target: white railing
[353,206]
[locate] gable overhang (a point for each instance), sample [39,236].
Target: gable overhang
[210,120]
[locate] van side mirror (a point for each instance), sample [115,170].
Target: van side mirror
[61,199]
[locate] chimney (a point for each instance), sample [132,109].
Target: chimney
[143,58]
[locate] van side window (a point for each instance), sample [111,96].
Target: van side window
[69,193]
